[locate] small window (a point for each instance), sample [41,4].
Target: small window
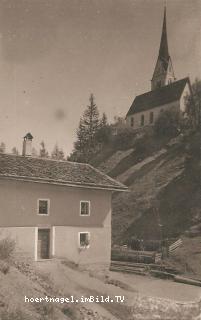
[84,208]
[151,117]
[132,122]
[84,239]
[43,206]
[142,120]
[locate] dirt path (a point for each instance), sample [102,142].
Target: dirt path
[166,289]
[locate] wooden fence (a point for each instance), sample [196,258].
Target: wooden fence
[175,245]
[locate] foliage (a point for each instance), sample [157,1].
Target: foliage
[57,153]
[124,138]
[2,147]
[34,152]
[92,133]
[168,123]
[43,151]
[15,314]
[15,151]
[193,103]
[7,247]
[4,267]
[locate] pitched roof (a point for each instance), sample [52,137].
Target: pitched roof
[158,97]
[55,172]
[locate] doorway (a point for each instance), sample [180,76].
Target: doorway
[43,248]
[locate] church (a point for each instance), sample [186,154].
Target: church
[166,92]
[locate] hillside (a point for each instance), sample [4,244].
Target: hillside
[163,186]
[58,280]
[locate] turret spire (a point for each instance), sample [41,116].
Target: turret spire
[163,51]
[163,73]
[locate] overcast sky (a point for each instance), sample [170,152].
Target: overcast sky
[54,53]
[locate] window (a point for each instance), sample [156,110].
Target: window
[84,208]
[43,206]
[132,122]
[142,120]
[84,239]
[151,117]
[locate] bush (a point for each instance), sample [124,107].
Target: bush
[7,247]
[13,315]
[168,123]
[45,309]
[4,267]
[124,138]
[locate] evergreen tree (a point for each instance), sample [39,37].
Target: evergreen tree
[103,121]
[34,152]
[57,153]
[2,147]
[15,151]
[43,151]
[91,120]
[89,124]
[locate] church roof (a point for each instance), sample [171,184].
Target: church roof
[55,172]
[158,97]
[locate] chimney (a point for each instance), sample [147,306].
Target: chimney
[27,145]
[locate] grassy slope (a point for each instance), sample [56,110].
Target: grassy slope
[163,180]
[55,279]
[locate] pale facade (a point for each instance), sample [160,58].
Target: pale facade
[56,208]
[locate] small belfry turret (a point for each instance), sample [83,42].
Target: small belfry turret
[163,72]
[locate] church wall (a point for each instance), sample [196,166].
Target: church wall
[156,112]
[182,99]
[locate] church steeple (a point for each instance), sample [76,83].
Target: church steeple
[163,51]
[163,73]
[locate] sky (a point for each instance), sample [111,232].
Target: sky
[54,53]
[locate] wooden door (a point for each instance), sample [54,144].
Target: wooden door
[43,243]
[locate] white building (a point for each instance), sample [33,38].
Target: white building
[166,92]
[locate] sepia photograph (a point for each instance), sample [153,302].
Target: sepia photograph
[100,159]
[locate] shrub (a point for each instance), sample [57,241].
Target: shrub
[4,267]
[124,138]
[7,247]
[13,315]
[45,309]
[168,123]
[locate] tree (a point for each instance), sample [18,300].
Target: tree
[43,151]
[193,104]
[168,123]
[104,131]
[57,153]
[2,147]
[34,152]
[103,121]
[89,125]
[15,151]
[91,120]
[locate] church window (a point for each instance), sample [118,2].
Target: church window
[142,120]
[151,117]
[132,122]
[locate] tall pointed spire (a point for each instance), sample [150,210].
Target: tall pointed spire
[163,72]
[163,51]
